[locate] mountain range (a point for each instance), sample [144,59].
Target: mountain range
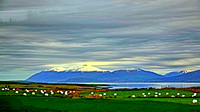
[88,73]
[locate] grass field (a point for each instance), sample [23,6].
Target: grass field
[138,93]
[44,104]
[48,86]
[79,101]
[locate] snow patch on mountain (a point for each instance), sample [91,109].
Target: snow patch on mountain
[185,71]
[83,68]
[58,69]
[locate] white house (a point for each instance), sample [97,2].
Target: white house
[33,93]
[16,92]
[178,93]
[133,96]
[104,94]
[183,95]
[115,94]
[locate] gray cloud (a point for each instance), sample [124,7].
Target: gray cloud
[155,35]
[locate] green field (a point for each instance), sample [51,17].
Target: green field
[44,104]
[48,86]
[138,93]
[79,101]
[37,94]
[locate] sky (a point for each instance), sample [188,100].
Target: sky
[156,35]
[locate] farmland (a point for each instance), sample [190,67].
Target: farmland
[62,97]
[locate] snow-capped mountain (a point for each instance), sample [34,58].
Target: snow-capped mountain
[193,76]
[172,74]
[88,73]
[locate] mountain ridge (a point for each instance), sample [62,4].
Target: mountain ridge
[172,74]
[94,74]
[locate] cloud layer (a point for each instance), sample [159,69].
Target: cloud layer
[155,35]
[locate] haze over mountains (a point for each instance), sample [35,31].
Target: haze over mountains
[88,73]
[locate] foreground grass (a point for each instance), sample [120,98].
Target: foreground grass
[170,100]
[78,101]
[44,104]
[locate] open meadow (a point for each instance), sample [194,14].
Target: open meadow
[62,97]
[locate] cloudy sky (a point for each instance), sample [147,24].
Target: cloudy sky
[157,35]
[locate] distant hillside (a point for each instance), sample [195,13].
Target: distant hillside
[83,75]
[93,74]
[186,77]
[172,74]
